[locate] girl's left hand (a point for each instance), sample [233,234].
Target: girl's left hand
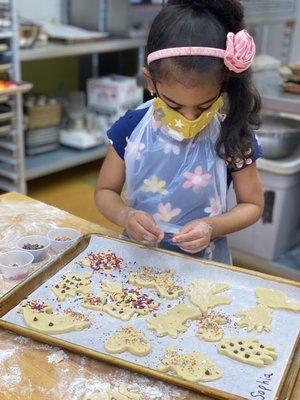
[194,236]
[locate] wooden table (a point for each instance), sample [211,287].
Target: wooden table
[26,370]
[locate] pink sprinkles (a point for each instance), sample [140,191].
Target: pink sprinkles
[103,262]
[37,305]
[135,298]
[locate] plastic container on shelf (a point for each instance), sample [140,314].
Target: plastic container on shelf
[37,245]
[15,264]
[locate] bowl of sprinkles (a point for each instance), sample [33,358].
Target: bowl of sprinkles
[62,238]
[15,264]
[37,245]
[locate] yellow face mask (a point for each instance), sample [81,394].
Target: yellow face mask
[181,127]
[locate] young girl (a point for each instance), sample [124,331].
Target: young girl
[176,155]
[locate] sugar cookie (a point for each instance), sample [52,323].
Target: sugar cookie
[122,304]
[161,281]
[249,351]
[48,322]
[257,318]
[72,285]
[275,299]
[128,339]
[192,367]
[210,327]
[173,322]
[203,294]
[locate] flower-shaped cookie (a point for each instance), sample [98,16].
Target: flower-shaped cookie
[255,319]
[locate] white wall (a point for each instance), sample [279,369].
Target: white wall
[40,10]
[295,56]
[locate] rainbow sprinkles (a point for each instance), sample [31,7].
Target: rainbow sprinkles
[102,262]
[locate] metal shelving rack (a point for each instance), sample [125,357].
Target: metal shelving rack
[65,157]
[12,159]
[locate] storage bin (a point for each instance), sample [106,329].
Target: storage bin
[279,228]
[43,116]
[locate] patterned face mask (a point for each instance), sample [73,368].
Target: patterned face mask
[178,126]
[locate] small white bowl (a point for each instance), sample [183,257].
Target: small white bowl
[23,260]
[38,254]
[56,238]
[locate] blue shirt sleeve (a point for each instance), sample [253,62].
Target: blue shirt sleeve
[253,154]
[120,132]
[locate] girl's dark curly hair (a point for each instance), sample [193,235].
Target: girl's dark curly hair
[206,23]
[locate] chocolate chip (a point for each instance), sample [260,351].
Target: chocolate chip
[235,351]
[251,347]
[240,342]
[57,286]
[231,344]
[207,372]
[63,291]
[258,354]
[247,355]
[35,319]
[223,347]
[67,288]
[51,324]
[262,346]
[242,349]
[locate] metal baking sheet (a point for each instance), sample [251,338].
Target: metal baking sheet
[239,380]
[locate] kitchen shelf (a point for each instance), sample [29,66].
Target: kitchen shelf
[4,116]
[6,34]
[19,88]
[63,158]
[58,50]
[5,67]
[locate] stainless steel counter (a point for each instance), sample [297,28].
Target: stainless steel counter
[274,98]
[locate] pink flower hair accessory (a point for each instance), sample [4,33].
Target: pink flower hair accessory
[240,51]
[238,56]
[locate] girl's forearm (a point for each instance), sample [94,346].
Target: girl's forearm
[111,205]
[238,218]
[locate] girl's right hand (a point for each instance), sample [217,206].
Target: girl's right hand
[142,228]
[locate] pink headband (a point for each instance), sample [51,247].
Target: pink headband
[238,56]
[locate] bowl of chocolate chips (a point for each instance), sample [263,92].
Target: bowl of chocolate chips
[37,245]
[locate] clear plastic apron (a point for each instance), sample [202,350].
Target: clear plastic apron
[176,181]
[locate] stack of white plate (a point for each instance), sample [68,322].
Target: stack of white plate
[42,140]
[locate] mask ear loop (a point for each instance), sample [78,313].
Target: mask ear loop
[155,94]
